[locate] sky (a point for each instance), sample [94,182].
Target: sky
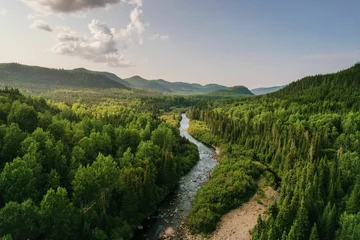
[255,43]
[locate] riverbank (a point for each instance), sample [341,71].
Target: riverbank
[170,216]
[238,223]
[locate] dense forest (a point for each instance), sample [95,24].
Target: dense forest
[83,171]
[308,134]
[96,166]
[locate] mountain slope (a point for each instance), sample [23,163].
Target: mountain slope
[182,87]
[18,75]
[161,85]
[233,91]
[109,75]
[308,135]
[265,90]
[325,86]
[142,83]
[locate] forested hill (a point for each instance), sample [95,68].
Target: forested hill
[308,133]
[109,75]
[324,86]
[142,83]
[232,91]
[161,85]
[13,74]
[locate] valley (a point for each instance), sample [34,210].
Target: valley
[128,158]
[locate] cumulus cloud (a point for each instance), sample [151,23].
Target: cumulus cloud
[158,36]
[3,11]
[42,25]
[102,44]
[101,47]
[71,6]
[137,26]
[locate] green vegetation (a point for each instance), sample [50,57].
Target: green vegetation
[141,83]
[163,86]
[232,91]
[308,133]
[109,75]
[102,162]
[201,132]
[84,171]
[31,77]
[232,183]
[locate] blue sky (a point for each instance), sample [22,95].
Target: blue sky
[231,42]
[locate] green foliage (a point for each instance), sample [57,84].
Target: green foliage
[232,183]
[58,216]
[18,181]
[171,87]
[24,115]
[314,233]
[200,131]
[20,220]
[349,227]
[353,203]
[308,133]
[84,171]
[27,76]
[232,91]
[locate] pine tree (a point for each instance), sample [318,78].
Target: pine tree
[353,204]
[314,234]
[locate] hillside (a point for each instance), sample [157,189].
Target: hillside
[109,75]
[13,74]
[232,91]
[142,83]
[182,87]
[265,90]
[307,135]
[161,85]
[323,86]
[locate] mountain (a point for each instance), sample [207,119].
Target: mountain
[161,85]
[14,74]
[232,91]
[265,90]
[343,84]
[142,83]
[109,75]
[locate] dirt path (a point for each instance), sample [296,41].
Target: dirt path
[237,224]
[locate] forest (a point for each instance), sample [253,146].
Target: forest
[95,163]
[308,133]
[76,171]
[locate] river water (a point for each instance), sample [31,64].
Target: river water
[174,210]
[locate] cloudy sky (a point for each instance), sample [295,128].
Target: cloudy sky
[232,42]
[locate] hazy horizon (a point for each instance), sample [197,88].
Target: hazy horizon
[255,44]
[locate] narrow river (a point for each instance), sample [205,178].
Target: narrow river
[177,206]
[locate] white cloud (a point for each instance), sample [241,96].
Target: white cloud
[40,24]
[70,6]
[103,44]
[158,36]
[137,26]
[101,47]
[3,11]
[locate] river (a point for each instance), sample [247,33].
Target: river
[174,210]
